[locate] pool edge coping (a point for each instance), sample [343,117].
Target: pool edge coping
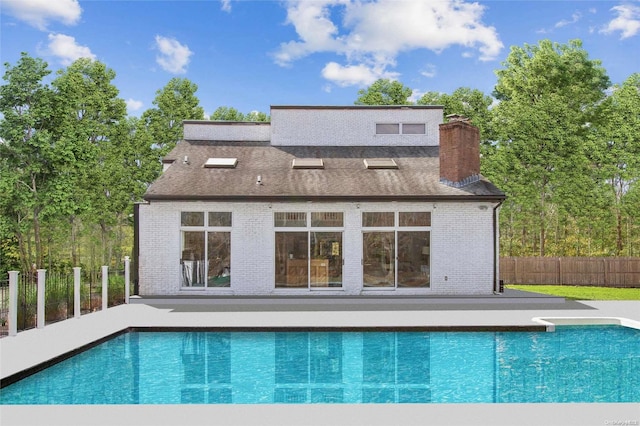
[551,322]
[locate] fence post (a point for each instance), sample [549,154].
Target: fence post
[560,280]
[127,276]
[76,292]
[42,273]
[105,287]
[13,303]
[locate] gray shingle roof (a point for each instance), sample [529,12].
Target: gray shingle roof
[344,175]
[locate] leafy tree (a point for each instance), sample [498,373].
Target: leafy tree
[227,114]
[616,152]
[471,103]
[548,93]
[88,112]
[174,103]
[224,113]
[257,116]
[28,166]
[384,92]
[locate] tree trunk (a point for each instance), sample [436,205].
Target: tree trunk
[104,231]
[542,223]
[619,245]
[74,242]
[37,238]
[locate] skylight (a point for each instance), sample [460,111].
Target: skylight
[307,163]
[380,163]
[218,163]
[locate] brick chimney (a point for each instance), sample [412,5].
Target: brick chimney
[459,152]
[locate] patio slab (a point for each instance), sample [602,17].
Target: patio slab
[34,347]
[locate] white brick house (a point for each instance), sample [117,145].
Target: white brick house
[322,201]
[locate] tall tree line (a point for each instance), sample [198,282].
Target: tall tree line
[72,163]
[557,137]
[561,141]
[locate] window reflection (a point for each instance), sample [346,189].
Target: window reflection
[308,367]
[206,368]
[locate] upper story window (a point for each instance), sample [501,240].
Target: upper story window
[401,129]
[413,129]
[387,129]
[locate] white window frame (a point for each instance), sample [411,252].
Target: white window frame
[309,229]
[395,229]
[206,229]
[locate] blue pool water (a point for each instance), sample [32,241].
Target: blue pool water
[573,364]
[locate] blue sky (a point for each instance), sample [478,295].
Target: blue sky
[253,54]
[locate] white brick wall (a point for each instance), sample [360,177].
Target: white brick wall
[350,126]
[461,247]
[216,131]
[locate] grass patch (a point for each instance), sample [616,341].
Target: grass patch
[582,292]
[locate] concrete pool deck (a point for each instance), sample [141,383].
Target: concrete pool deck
[34,347]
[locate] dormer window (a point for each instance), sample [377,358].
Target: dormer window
[221,163]
[380,163]
[307,163]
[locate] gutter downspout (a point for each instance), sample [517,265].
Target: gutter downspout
[136,249]
[496,277]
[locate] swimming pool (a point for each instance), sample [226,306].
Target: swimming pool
[573,364]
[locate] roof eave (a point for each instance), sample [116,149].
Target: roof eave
[327,198]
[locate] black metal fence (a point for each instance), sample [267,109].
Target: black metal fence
[59,296]
[4,307]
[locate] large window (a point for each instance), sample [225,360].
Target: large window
[206,249]
[308,251]
[396,249]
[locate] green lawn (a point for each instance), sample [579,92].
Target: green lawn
[582,293]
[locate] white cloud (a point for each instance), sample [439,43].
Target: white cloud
[133,105]
[66,49]
[627,21]
[38,13]
[314,27]
[372,34]
[416,94]
[354,75]
[174,56]
[225,5]
[564,22]
[429,71]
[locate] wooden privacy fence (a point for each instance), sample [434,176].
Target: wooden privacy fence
[586,271]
